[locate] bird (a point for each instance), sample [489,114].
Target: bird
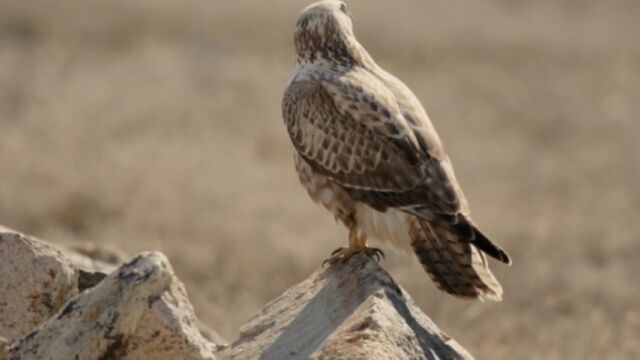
[366,150]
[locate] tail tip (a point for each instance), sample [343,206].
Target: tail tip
[504,257]
[488,247]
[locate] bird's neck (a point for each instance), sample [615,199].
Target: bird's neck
[344,53]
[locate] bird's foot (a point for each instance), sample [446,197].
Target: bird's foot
[341,255]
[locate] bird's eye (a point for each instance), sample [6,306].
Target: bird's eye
[343,8]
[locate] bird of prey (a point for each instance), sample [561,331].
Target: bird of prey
[366,150]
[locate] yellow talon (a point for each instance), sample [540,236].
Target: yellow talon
[357,244]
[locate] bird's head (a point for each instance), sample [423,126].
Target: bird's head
[324,30]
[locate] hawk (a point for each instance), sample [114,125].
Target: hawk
[366,150]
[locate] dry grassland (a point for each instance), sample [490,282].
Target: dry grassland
[156,125]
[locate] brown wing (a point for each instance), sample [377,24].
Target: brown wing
[382,170]
[372,155]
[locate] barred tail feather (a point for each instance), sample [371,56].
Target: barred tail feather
[454,264]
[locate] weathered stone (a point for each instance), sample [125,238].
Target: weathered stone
[87,280]
[93,258]
[139,311]
[349,311]
[3,348]
[213,336]
[36,279]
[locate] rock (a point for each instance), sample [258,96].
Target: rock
[93,262]
[36,280]
[211,335]
[3,348]
[140,311]
[93,258]
[349,311]
[87,280]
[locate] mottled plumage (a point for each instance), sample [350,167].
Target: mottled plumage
[366,149]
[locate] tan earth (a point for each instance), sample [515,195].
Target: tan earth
[156,126]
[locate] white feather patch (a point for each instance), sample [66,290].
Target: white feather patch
[389,227]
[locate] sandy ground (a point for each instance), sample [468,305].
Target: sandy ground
[156,125]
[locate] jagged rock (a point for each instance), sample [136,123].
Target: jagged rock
[93,262]
[213,336]
[93,258]
[36,280]
[139,311]
[349,311]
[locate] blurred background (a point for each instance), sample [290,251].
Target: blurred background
[154,125]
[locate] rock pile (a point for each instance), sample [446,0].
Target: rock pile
[60,304]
